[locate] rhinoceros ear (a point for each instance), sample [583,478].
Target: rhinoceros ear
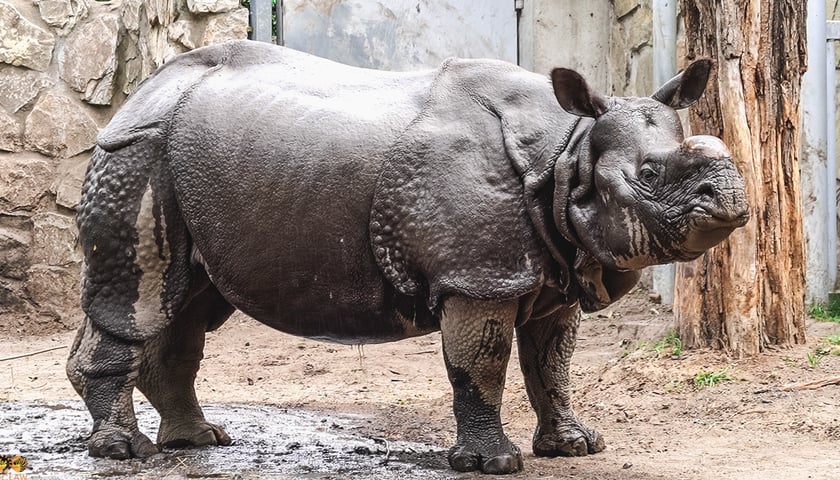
[684,89]
[574,94]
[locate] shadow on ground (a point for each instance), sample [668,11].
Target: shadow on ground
[269,442]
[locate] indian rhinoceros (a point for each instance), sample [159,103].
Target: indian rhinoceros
[361,206]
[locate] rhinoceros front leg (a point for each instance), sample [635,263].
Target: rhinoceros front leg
[477,337]
[545,352]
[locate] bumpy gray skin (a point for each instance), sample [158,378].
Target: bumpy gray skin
[358,206]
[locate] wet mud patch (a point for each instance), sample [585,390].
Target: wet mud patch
[268,442]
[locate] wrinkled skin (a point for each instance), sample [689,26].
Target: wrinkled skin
[359,206]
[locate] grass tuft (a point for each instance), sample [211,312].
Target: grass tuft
[670,344]
[710,379]
[823,313]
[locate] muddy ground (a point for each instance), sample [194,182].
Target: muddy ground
[302,409]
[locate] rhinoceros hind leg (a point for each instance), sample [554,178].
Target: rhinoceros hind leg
[102,369]
[477,337]
[545,352]
[136,276]
[170,363]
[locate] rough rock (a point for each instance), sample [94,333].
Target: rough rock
[226,26]
[55,290]
[54,240]
[212,6]
[623,7]
[641,32]
[14,251]
[13,301]
[10,135]
[62,14]
[130,14]
[181,32]
[68,183]
[24,179]
[22,43]
[59,127]
[162,12]
[19,86]
[88,61]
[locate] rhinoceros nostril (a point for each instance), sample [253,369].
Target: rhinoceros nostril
[706,190]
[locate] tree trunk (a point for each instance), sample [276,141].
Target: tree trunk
[749,292]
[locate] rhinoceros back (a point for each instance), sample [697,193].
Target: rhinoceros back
[275,164]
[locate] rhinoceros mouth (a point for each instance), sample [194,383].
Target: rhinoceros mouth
[706,218]
[710,226]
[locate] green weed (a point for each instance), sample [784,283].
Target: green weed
[670,344]
[830,313]
[813,359]
[710,379]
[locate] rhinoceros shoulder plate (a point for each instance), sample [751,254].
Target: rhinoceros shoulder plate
[449,212]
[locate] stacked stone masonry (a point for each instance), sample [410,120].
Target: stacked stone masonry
[65,67]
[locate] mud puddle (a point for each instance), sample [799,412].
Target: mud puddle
[268,442]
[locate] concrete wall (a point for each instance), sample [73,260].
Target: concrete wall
[65,66]
[567,33]
[401,34]
[610,43]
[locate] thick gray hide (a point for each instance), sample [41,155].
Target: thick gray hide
[302,181]
[362,206]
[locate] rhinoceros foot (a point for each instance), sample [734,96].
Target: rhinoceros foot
[119,444]
[195,434]
[498,458]
[569,440]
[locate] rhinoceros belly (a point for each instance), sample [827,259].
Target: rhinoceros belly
[275,179]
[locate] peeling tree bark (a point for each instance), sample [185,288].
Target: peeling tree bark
[749,292]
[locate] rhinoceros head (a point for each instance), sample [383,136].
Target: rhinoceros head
[643,193]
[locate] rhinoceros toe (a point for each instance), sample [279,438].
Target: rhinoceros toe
[196,434]
[496,459]
[575,441]
[120,445]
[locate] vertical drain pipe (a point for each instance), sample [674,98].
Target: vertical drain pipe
[280,40]
[832,29]
[518,5]
[664,67]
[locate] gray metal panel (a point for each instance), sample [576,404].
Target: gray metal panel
[401,34]
[261,21]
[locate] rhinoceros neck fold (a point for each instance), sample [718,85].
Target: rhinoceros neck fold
[540,200]
[572,175]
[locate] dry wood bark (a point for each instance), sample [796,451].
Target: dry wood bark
[749,292]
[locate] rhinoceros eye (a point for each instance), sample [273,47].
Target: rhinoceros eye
[648,174]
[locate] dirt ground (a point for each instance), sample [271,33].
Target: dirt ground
[394,399]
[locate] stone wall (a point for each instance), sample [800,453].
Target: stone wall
[65,66]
